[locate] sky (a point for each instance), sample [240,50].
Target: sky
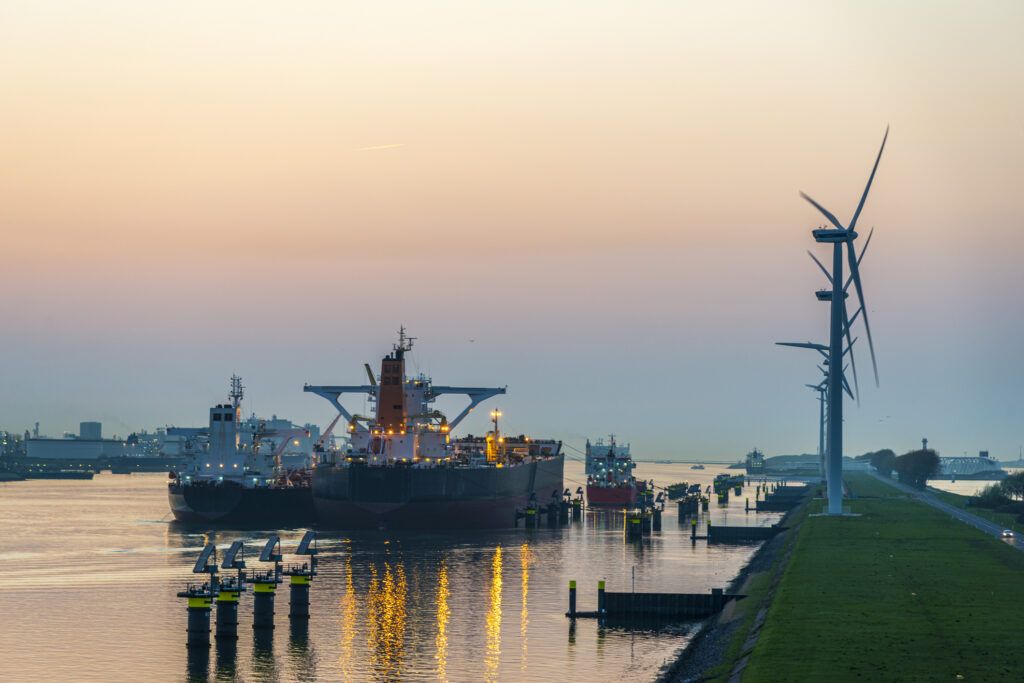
[593,203]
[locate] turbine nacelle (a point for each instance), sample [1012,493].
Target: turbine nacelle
[832,236]
[826,294]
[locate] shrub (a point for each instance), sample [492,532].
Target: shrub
[991,497]
[916,467]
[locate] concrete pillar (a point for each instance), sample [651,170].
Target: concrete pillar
[263,605]
[227,615]
[298,606]
[199,621]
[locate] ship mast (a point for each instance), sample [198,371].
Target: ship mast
[404,343]
[236,394]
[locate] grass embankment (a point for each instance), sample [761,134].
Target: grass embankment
[756,587]
[1007,520]
[900,593]
[861,485]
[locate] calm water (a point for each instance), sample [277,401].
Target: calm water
[90,571]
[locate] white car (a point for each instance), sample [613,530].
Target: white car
[1006,533]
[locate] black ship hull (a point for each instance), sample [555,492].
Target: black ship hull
[362,497]
[229,504]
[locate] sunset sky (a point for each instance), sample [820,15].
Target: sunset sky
[594,203]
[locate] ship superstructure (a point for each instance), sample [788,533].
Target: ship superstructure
[755,462]
[402,468]
[609,470]
[237,476]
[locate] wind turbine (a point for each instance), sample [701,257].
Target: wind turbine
[840,323]
[821,388]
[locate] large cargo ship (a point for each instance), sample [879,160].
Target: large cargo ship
[402,469]
[610,480]
[240,482]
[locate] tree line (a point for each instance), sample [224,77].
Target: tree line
[914,468]
[1004,496]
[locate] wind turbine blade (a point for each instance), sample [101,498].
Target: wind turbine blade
[803,345]
[846,388]
[867,242]
[871,179]
[854,318]
[823,269]
[849,346]
[855,272]
[828,214]
[860,258]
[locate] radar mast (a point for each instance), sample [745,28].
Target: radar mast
[236,394]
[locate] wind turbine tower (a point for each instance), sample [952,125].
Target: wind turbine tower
[839,326]
[821,390]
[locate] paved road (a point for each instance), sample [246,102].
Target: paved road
[979,523]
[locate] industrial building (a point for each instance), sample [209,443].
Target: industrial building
[88,445]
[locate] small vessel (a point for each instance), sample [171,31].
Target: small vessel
[755,462]
[235,482]
[609,470]
[698,466]
[403,469]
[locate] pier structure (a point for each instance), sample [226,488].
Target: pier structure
[659,606]
[229,591]
[265,586]
[577,505]
[301,576]
[561,510]
[782,498]
[200,598]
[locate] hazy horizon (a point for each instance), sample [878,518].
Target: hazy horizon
[593,204]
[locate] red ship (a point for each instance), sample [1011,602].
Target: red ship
[610,480]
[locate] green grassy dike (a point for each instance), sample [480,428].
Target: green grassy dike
[757,588]
[1004,519]
[901,593]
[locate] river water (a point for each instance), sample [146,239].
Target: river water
[89,572]
[967,487]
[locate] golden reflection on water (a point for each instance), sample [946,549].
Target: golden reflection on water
[386,618]
[493,655]
[348,622]
[525,558]
[443,612]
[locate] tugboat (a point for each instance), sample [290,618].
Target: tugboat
[240,484]
[402,469]
[610,480]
